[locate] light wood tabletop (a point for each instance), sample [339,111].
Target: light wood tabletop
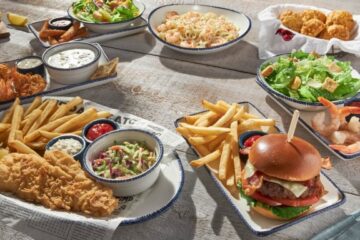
[159,84]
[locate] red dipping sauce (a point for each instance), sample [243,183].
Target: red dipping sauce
[250,141]
[98,129]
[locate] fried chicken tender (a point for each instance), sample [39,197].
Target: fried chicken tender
[313,14]
[55,181]
[292,21]
[286,14]
[335,31]
[313,27]
[341,17]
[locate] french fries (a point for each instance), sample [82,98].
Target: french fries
[214,135]
[29,130]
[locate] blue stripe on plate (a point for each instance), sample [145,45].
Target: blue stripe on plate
[285,225]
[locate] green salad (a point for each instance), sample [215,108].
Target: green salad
[105,11]
[307,76]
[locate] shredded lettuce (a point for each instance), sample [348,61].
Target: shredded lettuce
[312,71]
[284,212]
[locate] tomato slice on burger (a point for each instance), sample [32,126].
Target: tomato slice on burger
[264,199]
[299,202]
[287,202]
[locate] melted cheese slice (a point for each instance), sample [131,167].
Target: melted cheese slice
[296,188]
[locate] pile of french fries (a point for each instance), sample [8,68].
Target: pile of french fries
[56,36]
[28,130]
[214,134]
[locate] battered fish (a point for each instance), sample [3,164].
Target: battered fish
[335,31]
[55,181]
[313,14]
[313,27]
[340,17]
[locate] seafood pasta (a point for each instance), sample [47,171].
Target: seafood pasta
[197,30]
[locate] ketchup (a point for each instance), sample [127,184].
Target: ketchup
[98,129]
[250,141]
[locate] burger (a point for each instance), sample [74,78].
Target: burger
[281,179]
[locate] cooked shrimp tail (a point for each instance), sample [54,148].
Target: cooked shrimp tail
[350,149]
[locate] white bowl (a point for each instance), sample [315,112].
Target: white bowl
[130,186]
[240,20]
[109,27]
[294,103]
[71,75]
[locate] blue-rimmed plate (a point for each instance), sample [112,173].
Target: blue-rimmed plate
[297,104]
[240,20]
[257,223]
[305,121]
[135,209]
[137,26]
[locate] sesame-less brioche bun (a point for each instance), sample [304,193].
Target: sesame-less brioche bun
[297,160]
[267,213]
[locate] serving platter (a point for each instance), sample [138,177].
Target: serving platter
[260,225]
[58,89]
[137,26]
[135,209]
[305,121]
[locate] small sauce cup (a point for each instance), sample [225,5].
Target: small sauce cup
[61,23]
[78,156]
[86,129]
[31,65]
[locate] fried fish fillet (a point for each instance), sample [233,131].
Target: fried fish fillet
[55,181]
[341,17]
[335,31]
[312,27]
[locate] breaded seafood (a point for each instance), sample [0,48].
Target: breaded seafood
[313,14]
[341,17]
[312,27]
[335,31]
[292,21]
[55,181]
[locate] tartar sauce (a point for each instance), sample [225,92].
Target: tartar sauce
[71,58]
[68,145]
[29,63]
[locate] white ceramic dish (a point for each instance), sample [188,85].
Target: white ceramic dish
[71,75]
[54,88]
[109,27]
[133,185]
[136,209]
[261,225]
[137,26]
[297,104]
[242,21]
[305,121]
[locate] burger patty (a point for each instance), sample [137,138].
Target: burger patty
[275,190]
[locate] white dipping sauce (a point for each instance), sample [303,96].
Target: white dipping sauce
[72,58]
[29,63]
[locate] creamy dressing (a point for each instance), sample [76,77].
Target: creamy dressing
[71,58]
[29,63]
[69,145]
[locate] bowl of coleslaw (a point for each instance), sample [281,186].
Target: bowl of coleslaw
[198,29]
[126,160]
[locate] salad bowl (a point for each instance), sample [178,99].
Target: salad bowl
[352,78]
[127,186]
[107,27]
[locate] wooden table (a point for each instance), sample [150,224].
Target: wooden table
[159,84]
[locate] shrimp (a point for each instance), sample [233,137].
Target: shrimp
[172,37]
[344,137]
[319,122]
[171,14]
[337,118]
[161,28]
[350,149]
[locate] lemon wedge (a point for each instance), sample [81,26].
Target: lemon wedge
[16,20]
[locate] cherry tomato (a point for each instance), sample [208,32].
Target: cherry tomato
[250,141]
[98,129]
